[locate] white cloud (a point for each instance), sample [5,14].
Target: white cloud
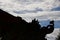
[29,8]
[21,5]
[46,5]
[53,35]
[55,15]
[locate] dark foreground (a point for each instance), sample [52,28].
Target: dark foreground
[15,28]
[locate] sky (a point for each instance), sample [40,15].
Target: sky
[43,10]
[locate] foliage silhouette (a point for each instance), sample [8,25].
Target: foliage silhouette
[15,28]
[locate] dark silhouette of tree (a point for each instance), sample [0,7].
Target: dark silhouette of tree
[46,30]
[15,28]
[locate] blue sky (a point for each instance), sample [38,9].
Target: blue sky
[45,23]
[56,8]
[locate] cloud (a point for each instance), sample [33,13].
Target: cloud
[30,9]
[53,35]
[27,11]
[55,15]
[45,5]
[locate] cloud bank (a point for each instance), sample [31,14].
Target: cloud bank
[30,9]
[45,5]
[55,15]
